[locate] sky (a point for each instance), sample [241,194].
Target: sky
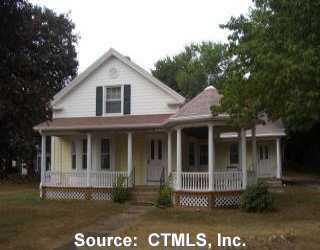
[145,30]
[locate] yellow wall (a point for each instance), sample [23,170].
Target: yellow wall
[61,156]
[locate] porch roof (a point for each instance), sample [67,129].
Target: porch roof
[119,122]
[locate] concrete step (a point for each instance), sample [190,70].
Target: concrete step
[145,194]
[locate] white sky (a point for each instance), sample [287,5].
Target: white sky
[145,30]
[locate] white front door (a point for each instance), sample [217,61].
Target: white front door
[155,158]
[265,160]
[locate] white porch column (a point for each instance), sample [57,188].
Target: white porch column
[179,159]
[169,153]
[43,159]
[279,167]
[254,150]
[89,157]
[243,157]
[130,154]
[210,156]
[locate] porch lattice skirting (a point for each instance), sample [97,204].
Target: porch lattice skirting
[74,193]
[230,199]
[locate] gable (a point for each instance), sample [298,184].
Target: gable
[146,96]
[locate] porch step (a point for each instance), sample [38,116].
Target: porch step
[145,194]
[274,185]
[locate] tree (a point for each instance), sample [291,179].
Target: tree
[273,64]
[190,71]
[37,59]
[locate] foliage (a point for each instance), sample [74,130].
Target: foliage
[164,198]
[190,71]
[272,64]
[120,191]
[38,58]
[257,198]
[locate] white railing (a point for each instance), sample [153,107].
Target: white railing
[194,181]
[66,179]
[199,181]
[227,181]
[79,178]
[105,178]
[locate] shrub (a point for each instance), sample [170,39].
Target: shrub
[164,198]
[120,191]
[257,198]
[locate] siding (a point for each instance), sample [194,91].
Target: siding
[146,98]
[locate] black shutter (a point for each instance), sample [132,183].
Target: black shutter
[127,100]
[99,100]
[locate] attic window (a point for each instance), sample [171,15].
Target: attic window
[113,100]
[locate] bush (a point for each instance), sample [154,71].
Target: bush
[257,198]
[164,198]
[120,191]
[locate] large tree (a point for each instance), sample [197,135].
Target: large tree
[37,59]
[188,72]
[273,63]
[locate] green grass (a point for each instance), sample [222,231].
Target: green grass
[296,218]
[27,222]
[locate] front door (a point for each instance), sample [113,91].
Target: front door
[265,160]
[155,158]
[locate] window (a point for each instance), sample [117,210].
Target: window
[113,100]
[152,150]
[84,153]
[234,154]
[48,153]
[73,155]
[160,150]
[191,154]
[266,152]
[204,154]
[263,152]
[105,154]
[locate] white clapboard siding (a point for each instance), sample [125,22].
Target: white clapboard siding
[146,97]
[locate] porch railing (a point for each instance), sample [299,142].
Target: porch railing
[105,178]
[199,181]
[227,181]
[79,178]
[195,181]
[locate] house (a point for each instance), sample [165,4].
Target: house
[115,119]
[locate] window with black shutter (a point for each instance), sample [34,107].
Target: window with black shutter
[113,100]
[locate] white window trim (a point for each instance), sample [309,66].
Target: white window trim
[105,99]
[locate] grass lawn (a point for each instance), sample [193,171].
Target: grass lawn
[26,222]
[294,225]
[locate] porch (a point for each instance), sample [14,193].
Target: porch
[144,157]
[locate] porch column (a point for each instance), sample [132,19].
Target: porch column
[43,159]
[243,157]
[89,157]
[210,156]
[279,167]
[169,153]
[130,154]
[179,159]
[254,151]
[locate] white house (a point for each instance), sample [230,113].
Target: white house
[115,119]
